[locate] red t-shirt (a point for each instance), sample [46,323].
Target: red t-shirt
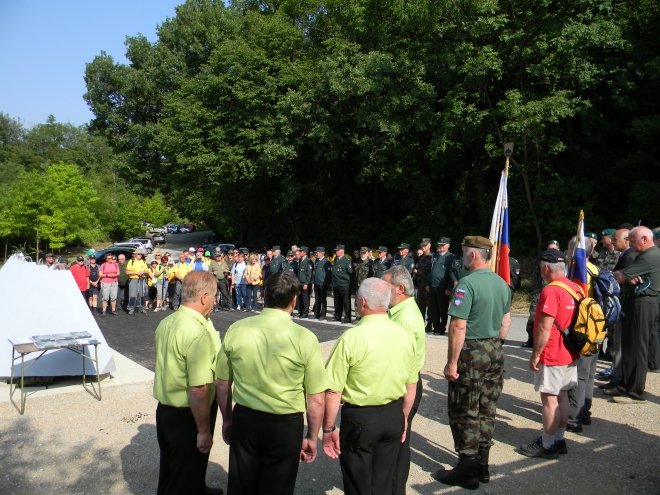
[556,302]
[80,274]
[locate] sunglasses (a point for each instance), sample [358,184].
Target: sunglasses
[157,255]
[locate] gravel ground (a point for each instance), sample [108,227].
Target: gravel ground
[70,443]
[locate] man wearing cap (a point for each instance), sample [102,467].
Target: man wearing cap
[640,314]
[342,269]
[553,364]
[289,264]
[137,269]
[199,264]
[276,262]
[80,274]
[50,262]
[480,310]
[181,269]
[220,270]
[382,264]
[420,276]
[593,238]
[540,285]
[363,270]
[322,275]
[404,311]
[404,258]
[437,284]
[373,371]
[305,269]
[271,390]
[608,257]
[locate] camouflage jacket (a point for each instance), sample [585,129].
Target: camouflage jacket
[423,269]
[607,259]
[363,270]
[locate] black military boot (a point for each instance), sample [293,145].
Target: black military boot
[465,475]
[482,464]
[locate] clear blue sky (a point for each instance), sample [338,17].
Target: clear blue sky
[44,45]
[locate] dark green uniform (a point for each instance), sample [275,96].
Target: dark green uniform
[276,263]
[381,266]
[305,269]
[456,272]
[407,261]
[439,301]
[481,298]
[420,278]
[342,269]
[322,269]
[289,266]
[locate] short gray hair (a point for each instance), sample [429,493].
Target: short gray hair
[482,253]
[195,284]
[376,292]
[554,267]
[399,276]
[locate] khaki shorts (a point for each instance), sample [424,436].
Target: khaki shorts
[553,379]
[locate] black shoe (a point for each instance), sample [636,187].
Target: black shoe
[608,386]
[482,465]
[529,344]
[574,429]
[560,445]
[586,421]
[464,475]
[207,490]
[537,449]
[439,332]
[346,320]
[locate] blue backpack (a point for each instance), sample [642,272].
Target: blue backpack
[607,291]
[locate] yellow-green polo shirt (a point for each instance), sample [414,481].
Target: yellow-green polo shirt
[372,362]
[273,363]
[408,315]
[185,357]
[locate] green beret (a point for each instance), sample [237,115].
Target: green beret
[444,240]
[591,235]
[476,241]
[552,241]
[404,245]
[608,232]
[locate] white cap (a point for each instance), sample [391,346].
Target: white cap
[192,249]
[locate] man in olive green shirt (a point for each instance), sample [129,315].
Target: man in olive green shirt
[186,351]
[372,364]
[480,320]
[276,369]
[405,311]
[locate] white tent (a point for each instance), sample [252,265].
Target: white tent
[36,301]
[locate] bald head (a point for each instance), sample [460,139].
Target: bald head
[640,239]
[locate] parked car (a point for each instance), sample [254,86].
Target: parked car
[157,230]
[114,250]
[190,227]
[211,238]
[134,245]
[144,240]
[184,230]
[224,247]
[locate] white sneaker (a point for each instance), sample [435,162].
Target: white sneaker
[238,308]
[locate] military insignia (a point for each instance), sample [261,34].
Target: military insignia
[517,272]
[458,299]
[412,265]
[350,266]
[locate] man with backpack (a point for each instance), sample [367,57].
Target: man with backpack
[554,365]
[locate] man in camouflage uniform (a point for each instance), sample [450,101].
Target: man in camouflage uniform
[594,239]
[538,287]
[404,258]
[289,265]
[480,310]
[608,257]
[420,276]
[382,264]
[437,281]
[363,270]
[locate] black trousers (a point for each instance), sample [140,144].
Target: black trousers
[654,347]
[303,302]
[438,309]
[403,459]
[182,465]
[639,317]
[320,300]
[342,302]
[223,292]
[264,452]
[370,438]
[122,297]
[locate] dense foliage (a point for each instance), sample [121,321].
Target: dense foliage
[60,186]
[376,121]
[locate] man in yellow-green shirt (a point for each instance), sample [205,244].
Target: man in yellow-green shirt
[277,372]
[373,364]
[405,311]
[186,353]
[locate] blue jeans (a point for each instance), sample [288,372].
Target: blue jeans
[253,291]
[242,293]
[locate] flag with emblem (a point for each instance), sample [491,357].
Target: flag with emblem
[577,264]
[499,230]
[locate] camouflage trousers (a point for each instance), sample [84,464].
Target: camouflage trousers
[532,314]
[473,397]
[423,299]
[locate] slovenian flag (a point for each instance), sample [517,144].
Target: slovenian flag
[577,269]
[499,230]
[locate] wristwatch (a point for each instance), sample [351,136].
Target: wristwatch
[330,430]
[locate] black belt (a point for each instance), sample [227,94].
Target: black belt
[482,340]
[349,405]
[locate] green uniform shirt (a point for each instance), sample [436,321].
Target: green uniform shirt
[647,264]
[408,315]
[220,268]
[456,272]
[381,266]
[321,270]
[305,268]
[273,363]
[438,276]
[289,266]
[482,298]
[276,263]
[406,261]
[342,269]
[185,356]
[372,362]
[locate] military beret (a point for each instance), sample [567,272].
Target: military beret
[290,253]
[425,241]
[444,240]
[382,248]
[320,249]
[276,248]
[608,232]
[553,256]
[591,235]
[552,241]
[404,245]
[656,235]
[364,249]
[476,241]
[304,248]
[340,246]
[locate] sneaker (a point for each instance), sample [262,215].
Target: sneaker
[560,445]
[232,309]
[114,313]
[537,449]
[605,374]
[131,312]
[102,314]
[529,344]
[252,311]
[574,428]
[238,308]
[625,399]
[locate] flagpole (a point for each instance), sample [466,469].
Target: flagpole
[577,242]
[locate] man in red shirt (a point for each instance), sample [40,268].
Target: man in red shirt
[80,273]
[554,366]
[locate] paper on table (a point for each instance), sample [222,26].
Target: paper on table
[20,341]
